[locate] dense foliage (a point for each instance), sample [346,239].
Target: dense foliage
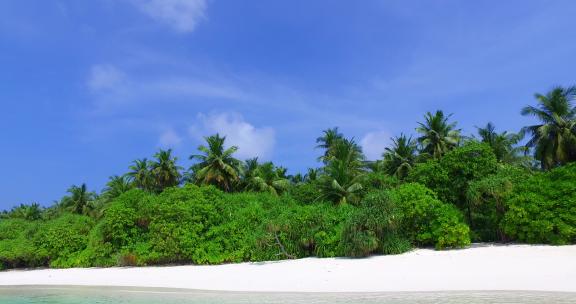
[441,190]
[542,208]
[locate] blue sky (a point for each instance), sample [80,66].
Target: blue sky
[86,87]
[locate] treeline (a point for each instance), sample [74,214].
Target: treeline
[441,189]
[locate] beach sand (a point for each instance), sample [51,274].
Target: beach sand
[481,267]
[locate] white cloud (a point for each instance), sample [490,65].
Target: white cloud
[105,77]
[169,138]
[115,89]
[374,143]
[251,141]
[181,15]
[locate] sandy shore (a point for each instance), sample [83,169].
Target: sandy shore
[515,267]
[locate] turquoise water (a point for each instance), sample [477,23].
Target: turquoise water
[108,295]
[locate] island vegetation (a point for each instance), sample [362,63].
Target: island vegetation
[442,189]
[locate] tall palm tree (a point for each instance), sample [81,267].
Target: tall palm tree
[79,199]
[165,172]
[438,136]
[342,173]
[400,158]
[216,164]
[140,174]
[327,141]
[117,185]
[554,138]
[503,144]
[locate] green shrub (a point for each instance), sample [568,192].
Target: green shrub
[64,238]
[374,181]
[180,219]
[450,176]
[374,227]
[237,238]
[306,193]
[488,198]
[426,220]
[310,230]
[171,227]
[17,248]
[123,220]
[542,208]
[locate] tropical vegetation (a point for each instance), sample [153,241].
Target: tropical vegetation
[442,189]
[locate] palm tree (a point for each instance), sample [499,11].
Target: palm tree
[297,178]
[267,179]
[28,212]
[311,175]
[140,174]
[437,135]
[503,144]
[249,169]
[342,173]
[165,172]
[79,199]
[117,185]
[282,172]
[327,141]
[216,164]
[400,158]
[554,139]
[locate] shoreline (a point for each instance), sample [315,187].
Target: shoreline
[482,267]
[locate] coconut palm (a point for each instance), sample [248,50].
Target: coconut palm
[140,174]
[438,136]
[311,175]
[28,212]
[281,172]
[554,138]
[342,173]
[164,170]
[249,169]
[327,141]
[117,185]
[267,178]
[216,164]
[400,158]
[297,178]
[248,172]
[79,199]
[503,144]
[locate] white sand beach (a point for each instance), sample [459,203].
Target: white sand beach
[482,267]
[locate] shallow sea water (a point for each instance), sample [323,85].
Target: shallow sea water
[114,295]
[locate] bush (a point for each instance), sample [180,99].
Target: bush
[203,225]
[374,228]
[16,246]
[374,181]
[237,238]
[428,221]
[450,176]
[310,230]
[145,229]
[64,238]
[488,198]
[392,221]
[306,193]
[542,208]
[180,219]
